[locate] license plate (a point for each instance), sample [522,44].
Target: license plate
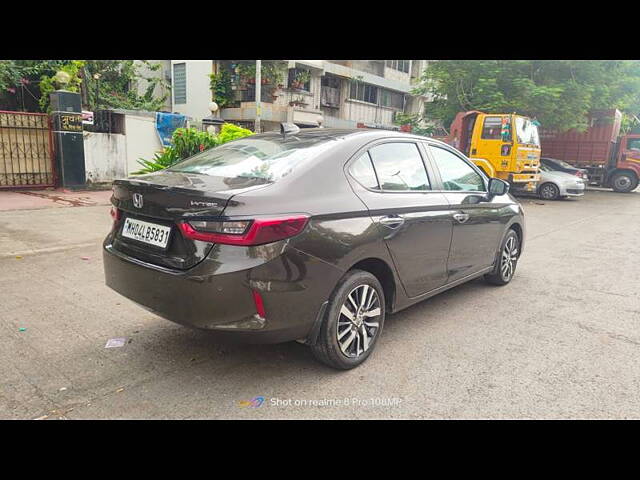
[150,233]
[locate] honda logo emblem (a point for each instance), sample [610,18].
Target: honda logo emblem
[137,200]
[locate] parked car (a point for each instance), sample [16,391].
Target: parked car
[555,184]
[562,166]
[313,235]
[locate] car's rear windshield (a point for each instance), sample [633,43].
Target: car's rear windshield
[264,159]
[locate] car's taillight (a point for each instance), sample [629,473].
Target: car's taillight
[257,231]
[115,214]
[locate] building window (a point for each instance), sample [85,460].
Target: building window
[299,79]
[363,92]
[330,92]
[391,99]
[179,83]
[400,65]
[330,81]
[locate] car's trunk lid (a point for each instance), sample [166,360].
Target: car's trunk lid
[167,198]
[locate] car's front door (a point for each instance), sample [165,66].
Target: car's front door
[478,219]
[415,222]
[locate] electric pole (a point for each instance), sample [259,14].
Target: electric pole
[258,94]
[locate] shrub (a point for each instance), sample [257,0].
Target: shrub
[186,142]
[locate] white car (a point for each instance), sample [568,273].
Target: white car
[555,184]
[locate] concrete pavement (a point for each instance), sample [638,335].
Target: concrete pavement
[48,198]
[562,341]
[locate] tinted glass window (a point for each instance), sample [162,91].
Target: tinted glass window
[456,174]
[633,144]
[262,159]
[492,128]
[363,172]
[556,163]
[399,167]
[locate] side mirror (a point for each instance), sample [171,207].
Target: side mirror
[498,187]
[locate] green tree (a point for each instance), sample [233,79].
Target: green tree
[20,82]
[558,93]
[114,84]
[102,83]
[221,87]
[67,77]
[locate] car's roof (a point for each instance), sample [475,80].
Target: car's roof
[336,133]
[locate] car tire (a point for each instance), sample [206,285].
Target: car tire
[502,273]
[624,182]
[548,191]
[341,338]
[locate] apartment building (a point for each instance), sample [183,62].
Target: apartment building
[309,93]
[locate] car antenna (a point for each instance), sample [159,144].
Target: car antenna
[288,128]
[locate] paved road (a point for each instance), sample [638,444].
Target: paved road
[562,341]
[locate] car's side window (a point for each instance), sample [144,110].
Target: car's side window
[399,167]
[456,174]
[362,171]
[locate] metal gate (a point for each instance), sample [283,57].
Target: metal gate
[26,150]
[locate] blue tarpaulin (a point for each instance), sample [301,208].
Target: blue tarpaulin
[166,124]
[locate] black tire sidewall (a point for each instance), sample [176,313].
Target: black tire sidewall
[495,277]
[634,182]
[328,337]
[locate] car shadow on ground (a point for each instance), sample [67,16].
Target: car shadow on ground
[168,346]
[170,371]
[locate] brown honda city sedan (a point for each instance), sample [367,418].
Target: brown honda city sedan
[312,235]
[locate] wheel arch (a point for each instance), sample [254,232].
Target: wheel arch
[384,273]
[615,171]
[486,166]
[516,227]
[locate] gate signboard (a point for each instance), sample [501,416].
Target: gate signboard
[67,122]
[66,111]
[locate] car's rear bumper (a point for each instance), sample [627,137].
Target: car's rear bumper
[219,296]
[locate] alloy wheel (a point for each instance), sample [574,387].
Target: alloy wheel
[357,324]
[548,191]
[509,258]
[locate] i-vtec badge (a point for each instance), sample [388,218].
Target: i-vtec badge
[203,204]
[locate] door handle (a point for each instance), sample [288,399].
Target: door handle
[461,217]
[392,221]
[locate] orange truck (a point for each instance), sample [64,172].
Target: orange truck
[611,160]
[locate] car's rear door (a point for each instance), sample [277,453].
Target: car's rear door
[415,222]
[478,218]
